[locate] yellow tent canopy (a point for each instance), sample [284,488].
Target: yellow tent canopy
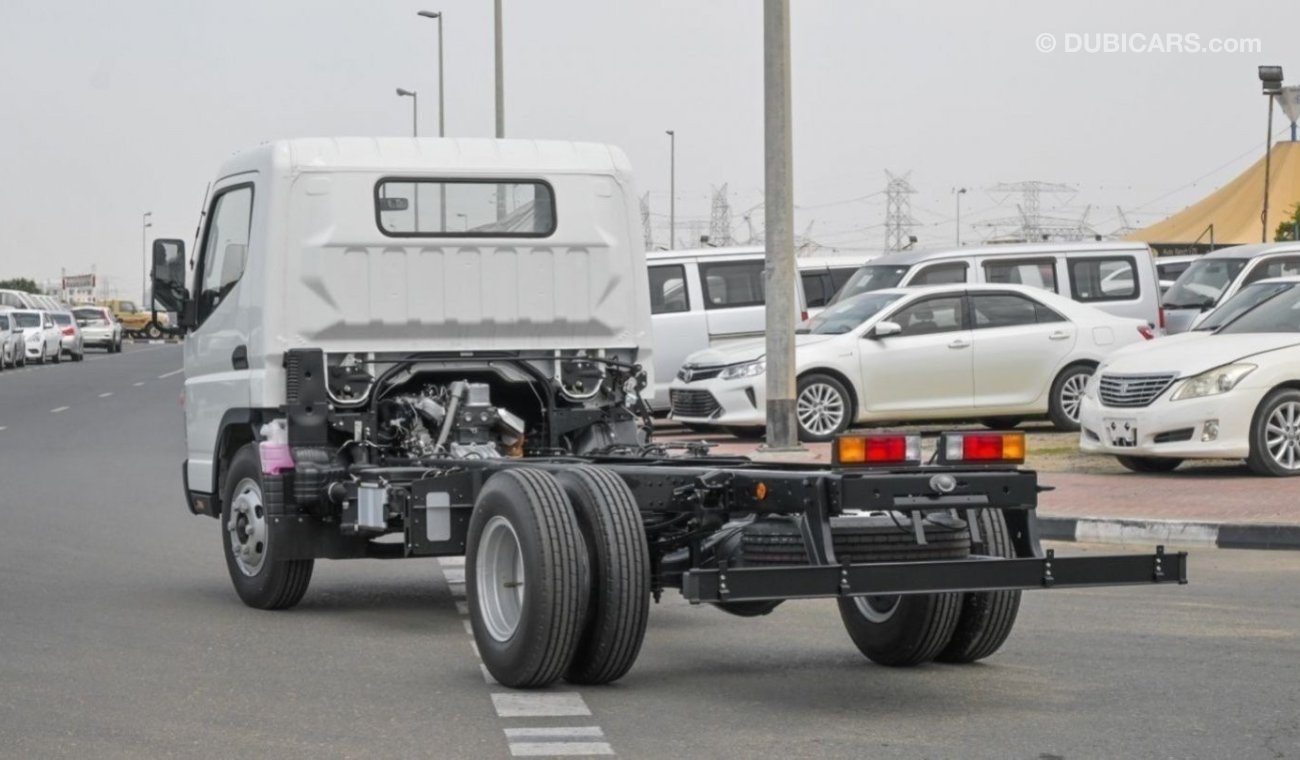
[1235,208]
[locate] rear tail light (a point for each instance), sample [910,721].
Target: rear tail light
[69,331]
[877,449]
[1161,312]
[985,448]
[803,316]
[1147,332]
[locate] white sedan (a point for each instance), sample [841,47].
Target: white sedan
[999,353]
[1228,389]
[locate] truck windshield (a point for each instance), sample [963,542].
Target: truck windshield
[27,319]
[1279,314]
[1246,299]
[1202,283]
[848,314]
[871,277]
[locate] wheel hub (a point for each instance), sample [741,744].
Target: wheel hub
[500,579]
[247,527]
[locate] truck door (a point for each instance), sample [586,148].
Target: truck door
[217,350]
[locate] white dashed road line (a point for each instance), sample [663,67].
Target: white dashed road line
[106,395]
[59,409]
[530,741]
[169,374]
[138,384]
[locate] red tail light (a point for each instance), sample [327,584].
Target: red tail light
[1147,332]
[877,448]
[69,331]
[803,316]
[1162,317]
[982,447]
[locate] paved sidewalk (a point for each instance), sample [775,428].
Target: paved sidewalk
[1218,504]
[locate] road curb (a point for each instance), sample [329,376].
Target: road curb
[1174,532]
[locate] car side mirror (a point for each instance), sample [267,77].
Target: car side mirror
[169,290]
[885,329]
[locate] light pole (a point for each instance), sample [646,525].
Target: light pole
[145,223]
[672,189]
[500,72]
[959,193]
[442,126]
[415,109]
[1271,79]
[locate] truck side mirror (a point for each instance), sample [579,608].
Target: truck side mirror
[885,329]
[169,279]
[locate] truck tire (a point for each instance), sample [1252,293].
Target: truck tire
[619,605]
[890,630]
[987,617]
[527,578]
[260,580]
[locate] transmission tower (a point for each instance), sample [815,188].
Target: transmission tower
[1125,226]
[645,222]
[898,212]
[1031,225]
[720,218]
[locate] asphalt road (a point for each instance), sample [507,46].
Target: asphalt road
[121,638]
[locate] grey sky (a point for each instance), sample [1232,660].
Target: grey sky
[112,109]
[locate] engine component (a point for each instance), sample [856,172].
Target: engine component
[467,425]
[581,380]
[365,514]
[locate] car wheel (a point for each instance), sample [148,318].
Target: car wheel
[260,580]
[1001,423]
[1149,464]
[1067,397]
[823,409]
[153,331]
[58,355]
[1275,435]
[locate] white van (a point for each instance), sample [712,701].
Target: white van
[702,298]
[823,276]
[1217,276]
[1116,277]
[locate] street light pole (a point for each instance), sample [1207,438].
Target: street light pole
[500,74]
[672,188]
[442,126]
[782,430]
[415,109]
[145,223]
[1271,78]
[960,192]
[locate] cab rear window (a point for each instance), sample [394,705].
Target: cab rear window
[463,208]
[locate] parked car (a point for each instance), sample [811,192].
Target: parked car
[1000,353]
[136,321]
[823,276]
[1116,277]
[41,339]
[99,328]
[703,298]
[1228,389]
[1170,268]
[1217,276]
[11,342]
[69,334]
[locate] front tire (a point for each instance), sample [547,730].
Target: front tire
[1275,435]
[153,331]
[261,581]
[616,544]
[823,408]
[1067,397]
[1148,464]
[527,578]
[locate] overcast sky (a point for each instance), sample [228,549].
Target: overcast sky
[112,109]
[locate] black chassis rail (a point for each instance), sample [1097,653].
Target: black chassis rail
[728,486]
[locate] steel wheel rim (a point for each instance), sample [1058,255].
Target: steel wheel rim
[500,579]
[247,527]
[820,409]
[1072,395]
[1282,435]
[877,609]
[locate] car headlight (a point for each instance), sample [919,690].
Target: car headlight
[748,369]
[1216,381]
[33,337]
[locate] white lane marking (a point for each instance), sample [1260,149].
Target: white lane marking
[558,749]
[553,705]
[457,589]
[138,384]
[555,732]
[106,395]
[454,574]
[468,628]
[2,427]
[451,561]
[169,374]
[59,409]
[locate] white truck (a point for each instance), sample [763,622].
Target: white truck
[444,342]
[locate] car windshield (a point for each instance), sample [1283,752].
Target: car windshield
[27,319]
[848,314]
[127,307]
[869,278]
[1279,314]
[1202,283]
[90,315]
[61,319]
[1246,299]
